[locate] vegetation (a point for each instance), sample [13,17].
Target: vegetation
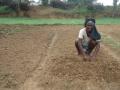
[110,41]
[88,7]
[115,7]
[15,5]
[32,21]
[81,7]
[5,10]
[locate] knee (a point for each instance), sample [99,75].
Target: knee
[98,44]
[76,41]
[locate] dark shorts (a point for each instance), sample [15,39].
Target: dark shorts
[91,45]
[87,48]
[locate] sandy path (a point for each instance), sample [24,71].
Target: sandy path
[30,83]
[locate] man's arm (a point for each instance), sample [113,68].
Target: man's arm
[96,50]
[81,48]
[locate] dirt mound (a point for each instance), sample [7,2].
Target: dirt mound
[44,58]
[49,12]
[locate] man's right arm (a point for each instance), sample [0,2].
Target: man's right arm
[80,47]
[85,56]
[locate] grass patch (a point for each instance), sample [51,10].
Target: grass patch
[40,21]
[110,41]
[33,21]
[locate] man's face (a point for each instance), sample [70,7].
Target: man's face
[89,28]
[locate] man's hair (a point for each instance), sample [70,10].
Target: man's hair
[95,35]
[89,19]
[90,23]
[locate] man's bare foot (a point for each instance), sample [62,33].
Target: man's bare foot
[92,58]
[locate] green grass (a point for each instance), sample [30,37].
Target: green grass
[33,21]
[36,21]
[110,41]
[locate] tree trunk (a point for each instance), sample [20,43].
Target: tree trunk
[18,8]
[114,7]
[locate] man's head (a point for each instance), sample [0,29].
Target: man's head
[89,26]
[89,19]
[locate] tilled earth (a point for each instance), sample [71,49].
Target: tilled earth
[45,58]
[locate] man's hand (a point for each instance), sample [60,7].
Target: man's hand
[92,57]
[95,52]
[86,57]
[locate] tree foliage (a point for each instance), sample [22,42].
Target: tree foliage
[45,2]
[16,5]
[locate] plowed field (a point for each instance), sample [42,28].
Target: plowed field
[45,58]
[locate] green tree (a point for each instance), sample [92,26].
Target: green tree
[45,2]
[21,5]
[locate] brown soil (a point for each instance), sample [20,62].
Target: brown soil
[44,58]
[112,31]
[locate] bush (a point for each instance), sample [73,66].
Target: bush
[5,9]
[5,2]
[45,2]
[23,6]
[14,5]
[95,8]
[60,4]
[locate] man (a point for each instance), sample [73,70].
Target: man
[86,45]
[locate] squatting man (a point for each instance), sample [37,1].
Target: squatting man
[88,41]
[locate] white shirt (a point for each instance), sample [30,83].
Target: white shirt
[84,37]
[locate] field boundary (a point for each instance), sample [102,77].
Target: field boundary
[55,21]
